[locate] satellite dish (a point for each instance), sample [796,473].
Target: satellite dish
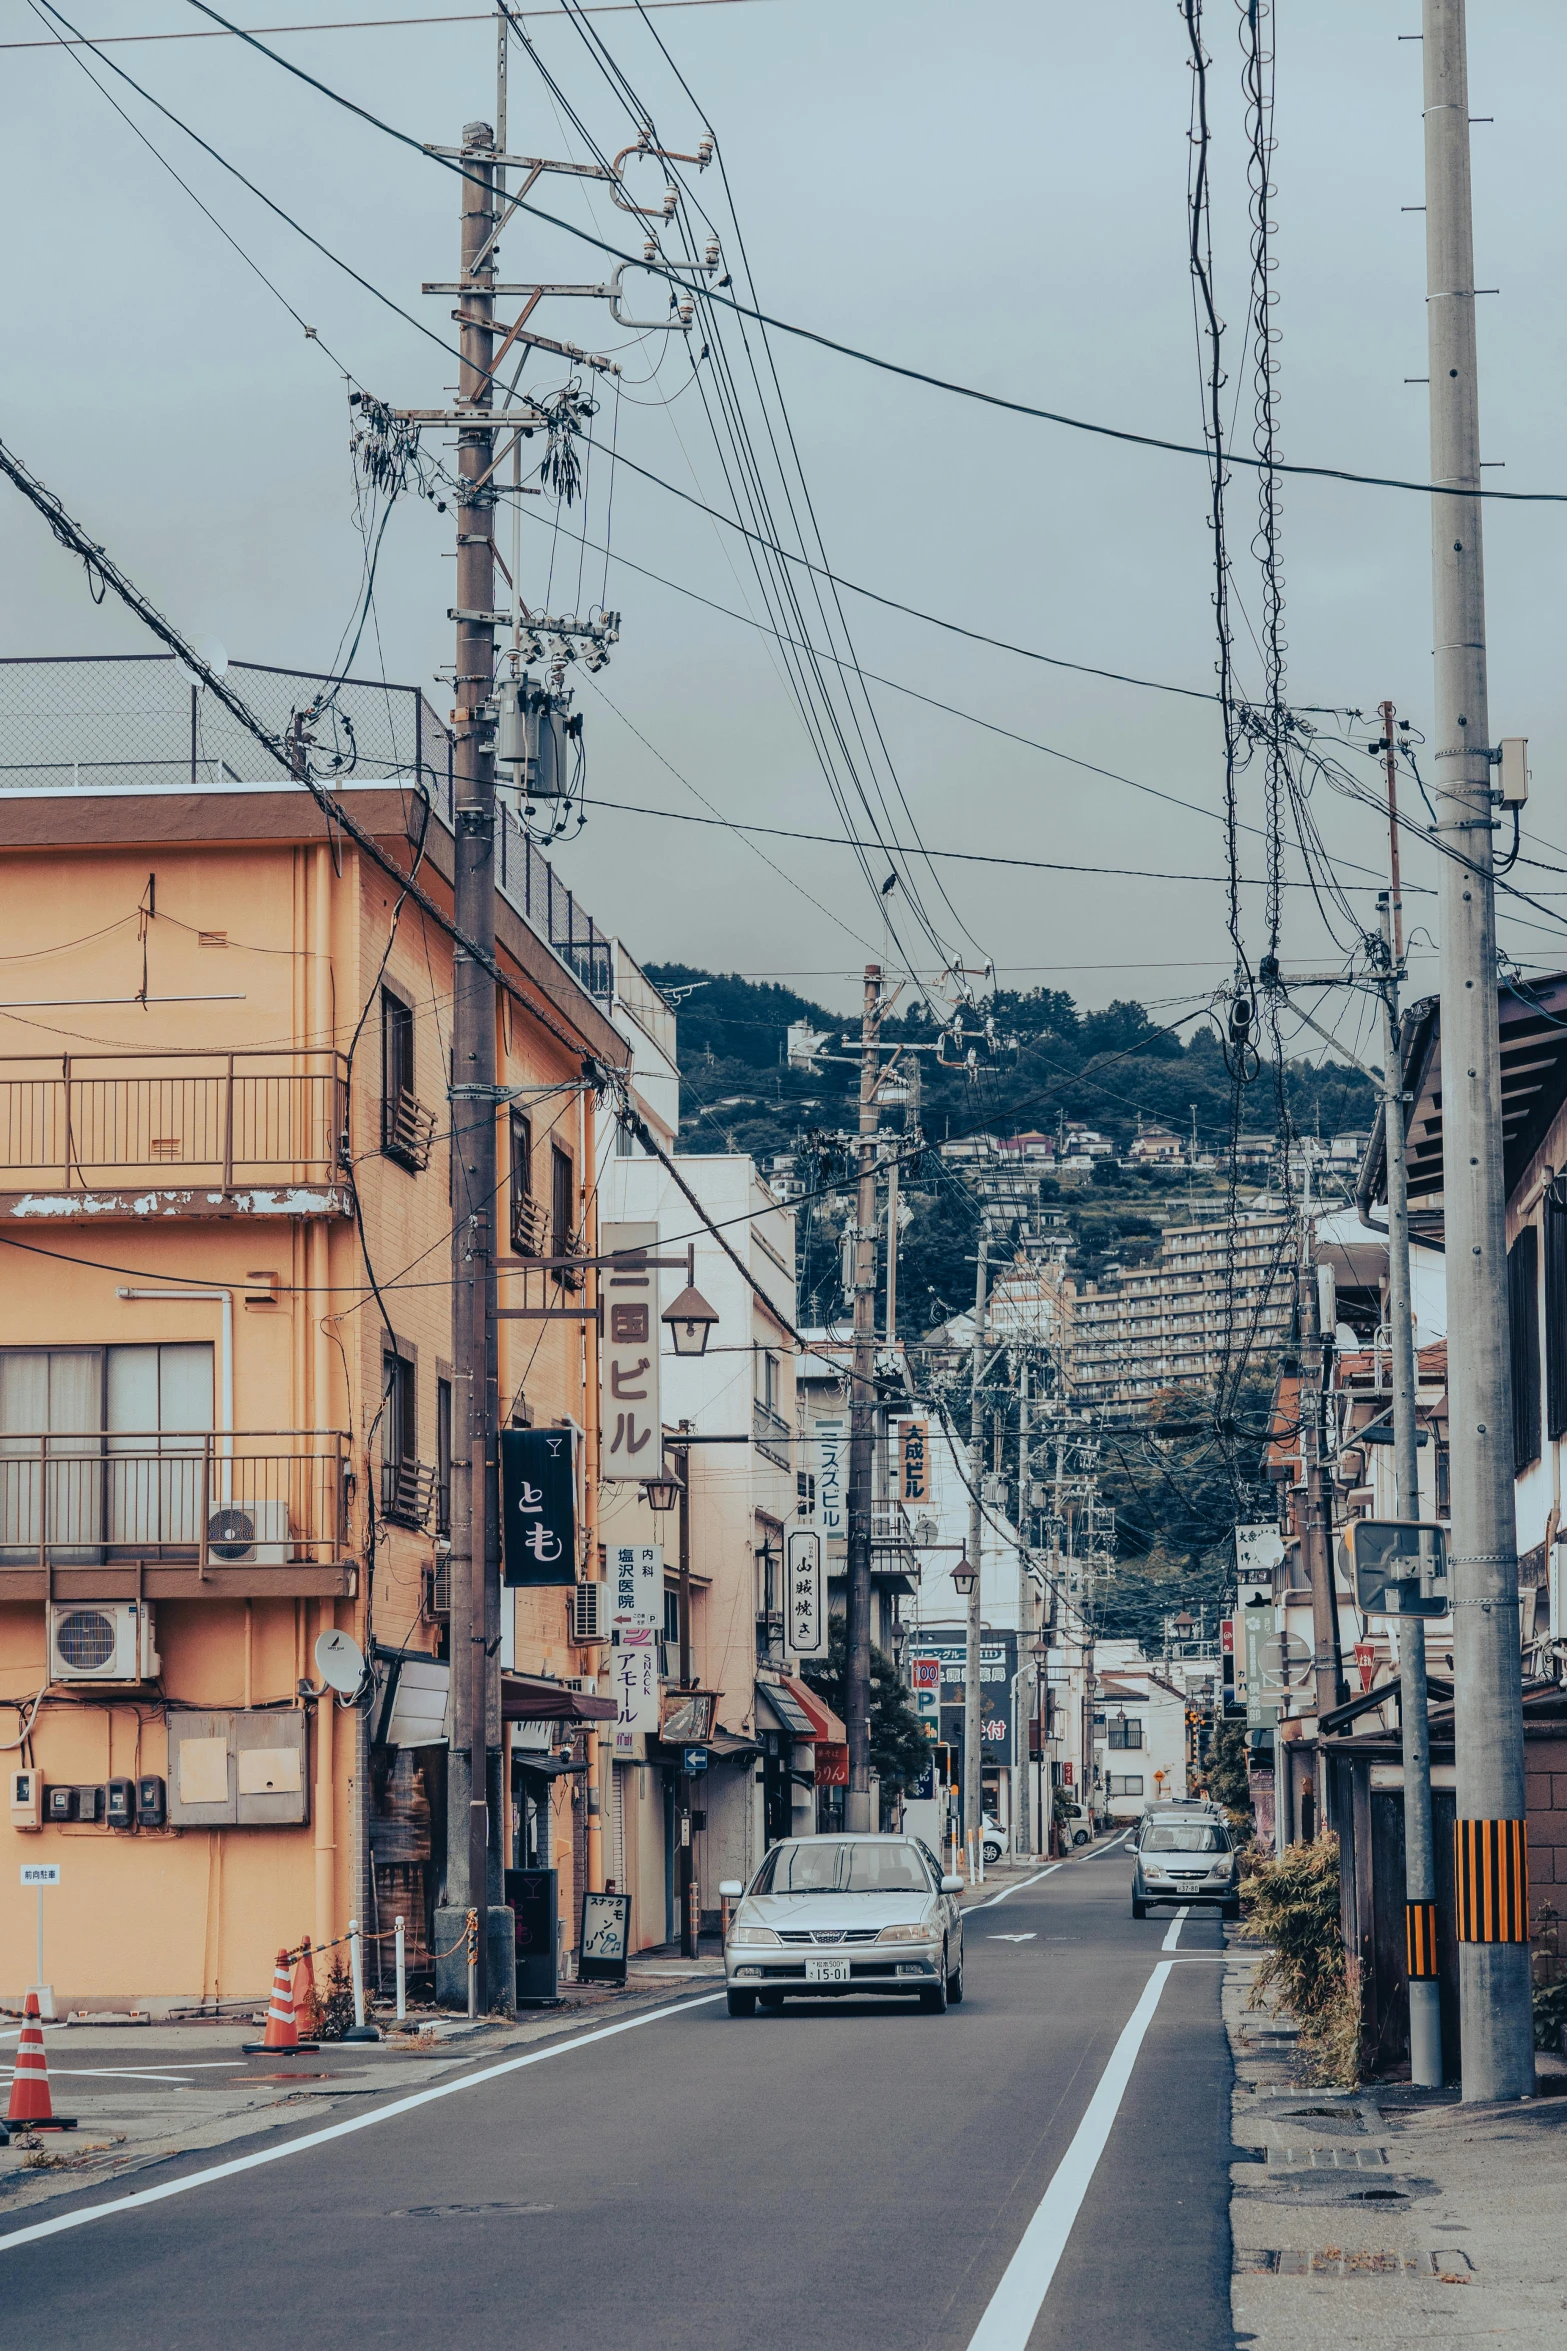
[213,652]
[340,1662]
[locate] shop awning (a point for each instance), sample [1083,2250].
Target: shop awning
[799,1709]
[547,1767]
[786,1709]
[732,1746]
[530,1698]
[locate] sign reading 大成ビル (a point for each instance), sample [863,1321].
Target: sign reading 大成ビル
[914,1459]
[538,1506]
[629,1409]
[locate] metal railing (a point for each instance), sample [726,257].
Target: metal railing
[771,1432]
[133,721]
[214,1499]
[82,1120]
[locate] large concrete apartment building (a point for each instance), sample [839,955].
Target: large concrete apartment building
[1217,1294]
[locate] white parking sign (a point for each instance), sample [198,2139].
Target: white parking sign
[40,1873]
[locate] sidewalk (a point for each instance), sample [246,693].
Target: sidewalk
[1376,2215]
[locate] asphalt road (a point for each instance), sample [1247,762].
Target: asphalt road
[853,2177]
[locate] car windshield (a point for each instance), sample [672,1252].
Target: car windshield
[831,1867]
[1185,1836]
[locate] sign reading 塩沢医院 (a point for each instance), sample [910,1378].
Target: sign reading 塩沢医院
[636,1600]
[538,1506]
[632,1444]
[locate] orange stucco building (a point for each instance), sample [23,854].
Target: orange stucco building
[225,1321]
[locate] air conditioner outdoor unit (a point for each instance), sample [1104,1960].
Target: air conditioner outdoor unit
[102,1641]
[249,1534]
[589,1612]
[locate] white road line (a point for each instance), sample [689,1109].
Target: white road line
[1017,2301]
[1017,1889]
[340,2130]
[1174,1935]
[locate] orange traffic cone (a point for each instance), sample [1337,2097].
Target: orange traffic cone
[306,2003]
[282,2032]
[31,2104]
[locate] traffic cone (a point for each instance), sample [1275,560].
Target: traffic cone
[306,2000]
[31,2104]
[282,2032]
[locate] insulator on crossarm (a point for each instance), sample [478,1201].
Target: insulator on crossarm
[671,199]
[687,311]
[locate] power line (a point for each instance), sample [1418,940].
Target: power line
[377,24]
[1078,424]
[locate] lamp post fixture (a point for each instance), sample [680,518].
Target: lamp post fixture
[690,1321]
[661,1493]
[964,1577]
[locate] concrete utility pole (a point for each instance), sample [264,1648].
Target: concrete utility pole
[1425,1999]
[973,1783]
[688,1924]
[474,1810]
[1493,1950]
[862,1423]
[1315,1513]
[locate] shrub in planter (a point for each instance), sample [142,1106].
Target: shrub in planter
[1291,1903]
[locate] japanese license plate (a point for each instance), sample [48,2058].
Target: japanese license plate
[827,1971]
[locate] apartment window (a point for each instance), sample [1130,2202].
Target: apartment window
[1126,1734]
[767,1381]
[1523,1306]
[407,1489]
[443,1457]
[525,1219]
[563,1201]
[407,1128]
[805,1493]
[672,1617]
[1125,1783]
[1555,1316]
[102,1446]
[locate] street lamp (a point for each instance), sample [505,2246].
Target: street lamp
[965,1577]
[690,1321]
[661,1493]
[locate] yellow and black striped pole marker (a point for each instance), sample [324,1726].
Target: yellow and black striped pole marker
[1492,1880]
[1420,1941]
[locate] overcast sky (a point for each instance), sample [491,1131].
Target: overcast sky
[996,194]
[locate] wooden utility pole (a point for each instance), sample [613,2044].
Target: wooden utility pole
[688,1926]
[973,1778]
[1315,1513]
[862,1423]
[474,1802]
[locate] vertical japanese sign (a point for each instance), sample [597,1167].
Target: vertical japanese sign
[914,1460]
[807,1617]
[832,1471]
[630,1420]
[538,1506]
[636,1601]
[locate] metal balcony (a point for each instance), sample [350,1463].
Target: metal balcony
[174,1514]
[224,1122]
[772,1434]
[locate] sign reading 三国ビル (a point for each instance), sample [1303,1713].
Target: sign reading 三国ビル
[538,1506]
[632,1444]
[807,1617]
[832,1470]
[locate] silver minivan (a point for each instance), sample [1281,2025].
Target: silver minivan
[832,1915]
[1185,1857]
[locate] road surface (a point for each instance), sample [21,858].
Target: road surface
[1042,2169]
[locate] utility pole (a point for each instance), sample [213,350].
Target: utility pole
[973,1782]
[473,1782]
[862,1422]
[1028,1663]
[1493,1953]
[688,1939]
[1425,2000]
[1315,1514]
[1390,769]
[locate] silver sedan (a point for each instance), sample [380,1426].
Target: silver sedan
[828,1916]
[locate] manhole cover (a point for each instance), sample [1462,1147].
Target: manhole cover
[465,2211]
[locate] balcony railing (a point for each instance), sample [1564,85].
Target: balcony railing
[199,1498]
[772,1433]
[90,1122]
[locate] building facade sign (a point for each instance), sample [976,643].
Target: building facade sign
[630,1413]
[914,1460]
[636,1587]
[832,1477]
[807,1616]
[538,1506]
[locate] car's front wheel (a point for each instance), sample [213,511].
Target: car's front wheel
[1139,1909]
[1230,1909]
[742,2003]
[933,1998]
[955,1982]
